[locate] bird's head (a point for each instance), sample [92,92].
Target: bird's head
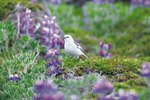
[68,38]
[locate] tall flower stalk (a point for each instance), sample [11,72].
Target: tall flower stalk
[25,23]
[51,39]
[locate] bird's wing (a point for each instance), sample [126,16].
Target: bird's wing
[78,46]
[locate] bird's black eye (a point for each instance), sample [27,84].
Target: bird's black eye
[66,37]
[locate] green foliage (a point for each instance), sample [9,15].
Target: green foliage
[68,15]
[77,86]
[25,65]
[7,35]
[145,94]
[12,43]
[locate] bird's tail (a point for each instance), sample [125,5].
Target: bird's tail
[85,56]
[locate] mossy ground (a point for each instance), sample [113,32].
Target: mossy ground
[123,71]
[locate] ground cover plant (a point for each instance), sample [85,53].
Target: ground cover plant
[113,34]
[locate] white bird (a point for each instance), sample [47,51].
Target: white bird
[72,48]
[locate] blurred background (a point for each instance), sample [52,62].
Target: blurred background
[123,23]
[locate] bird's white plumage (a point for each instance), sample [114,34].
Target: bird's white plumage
[73,48]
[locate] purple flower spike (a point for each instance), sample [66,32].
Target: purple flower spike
[25,23]
[104,50]
[103,86]
[145,70]
[14,77]
[51,32]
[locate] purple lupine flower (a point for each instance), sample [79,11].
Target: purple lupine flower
[47,90]
[109,55]
[103,53]
[146,3]
[120,95]
[104,50]
[42,87]
[136,2]
[50,38]
[102,86]
[103,1]
[14,77]
[123,95]
[145,70]
[98,1]
[54,71]
[106,98]
[51,33]
[53,62]
[59,96]
[52,53]
[101,43]
[26,22]
[55,2]
[132,96]
[11,77]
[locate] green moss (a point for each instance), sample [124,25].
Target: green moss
[123,70]
[112,66]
